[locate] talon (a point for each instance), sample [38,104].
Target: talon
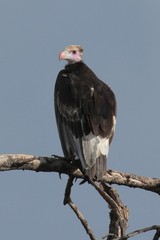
[83,181]
[60,175]
[75,179]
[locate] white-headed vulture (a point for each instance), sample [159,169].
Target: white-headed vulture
[85,109]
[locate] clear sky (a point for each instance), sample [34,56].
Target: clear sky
[121,41]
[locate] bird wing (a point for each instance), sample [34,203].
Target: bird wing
[85,119]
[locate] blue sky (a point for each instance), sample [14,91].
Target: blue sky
[121,41]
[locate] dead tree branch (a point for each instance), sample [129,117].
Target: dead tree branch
[132,180]
[119,212]
[143,230]
[67,194]
[137,232]
[61,165]
[157,234]
[67,200]
[118,216]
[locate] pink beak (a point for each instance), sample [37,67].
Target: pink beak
[62,56]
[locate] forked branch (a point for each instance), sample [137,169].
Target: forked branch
[67,200]
[119,213]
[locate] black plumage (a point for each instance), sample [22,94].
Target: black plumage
[85,109]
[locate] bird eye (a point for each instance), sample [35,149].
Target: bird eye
[74,51]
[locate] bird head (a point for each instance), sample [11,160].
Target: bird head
[72,54]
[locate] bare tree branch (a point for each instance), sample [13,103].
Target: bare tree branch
[82,219]
[67,193]
[132,180]
[157,234]
[62,165]
[119,212]
[39,164]
[137,232]
[118,217]
[142,230]
[67,200]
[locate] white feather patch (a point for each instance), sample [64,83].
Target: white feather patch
[114,124]
[93,146]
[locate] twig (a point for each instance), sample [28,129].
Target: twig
[82,219]
[67,200]
[142,230]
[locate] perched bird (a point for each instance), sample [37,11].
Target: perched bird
[85,109]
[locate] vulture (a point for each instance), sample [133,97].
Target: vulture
[85,110]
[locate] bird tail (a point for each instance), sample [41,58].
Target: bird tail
[98,169]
